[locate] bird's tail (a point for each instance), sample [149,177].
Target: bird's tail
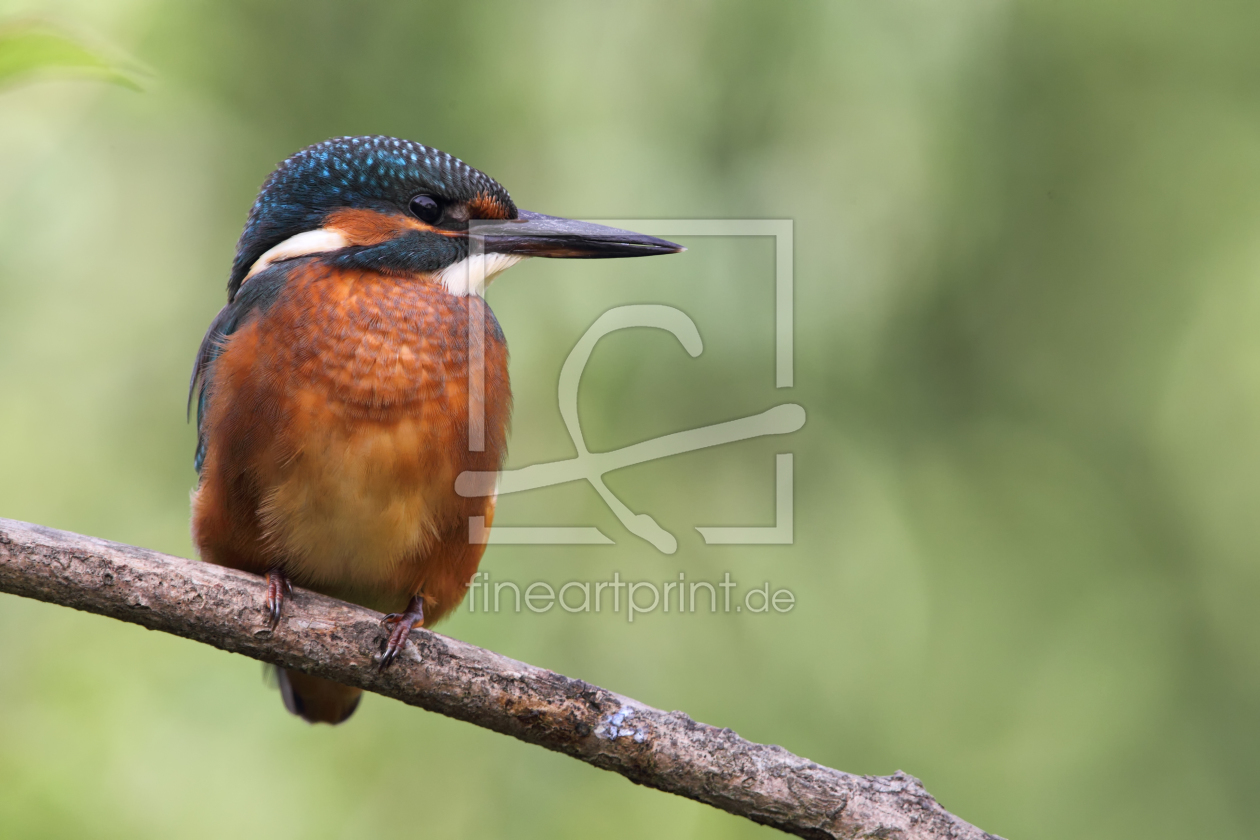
[316,700]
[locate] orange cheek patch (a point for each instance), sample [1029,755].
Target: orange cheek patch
[486,206]
[370,227]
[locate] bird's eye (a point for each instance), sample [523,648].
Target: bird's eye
[426,208]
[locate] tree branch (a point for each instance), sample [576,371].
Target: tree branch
[332,639]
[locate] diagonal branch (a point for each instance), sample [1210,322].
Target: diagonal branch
[329,638]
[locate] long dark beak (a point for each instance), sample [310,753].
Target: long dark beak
[536,235]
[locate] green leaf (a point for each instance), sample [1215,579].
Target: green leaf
[31,49]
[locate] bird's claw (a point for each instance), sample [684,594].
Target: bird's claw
[400,626]
[278,585]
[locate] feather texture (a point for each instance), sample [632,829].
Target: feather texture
[334,417]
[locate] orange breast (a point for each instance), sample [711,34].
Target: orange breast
[337,422]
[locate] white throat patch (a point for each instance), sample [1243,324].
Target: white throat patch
[470,275]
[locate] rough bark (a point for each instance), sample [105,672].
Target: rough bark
[329,638]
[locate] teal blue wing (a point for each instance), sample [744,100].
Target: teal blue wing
[254,297]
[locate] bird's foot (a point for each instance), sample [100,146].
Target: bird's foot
[400,626]
[278,585]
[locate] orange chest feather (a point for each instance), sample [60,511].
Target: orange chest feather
[365,351]
[346,406]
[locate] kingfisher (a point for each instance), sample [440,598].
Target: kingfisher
[354,373]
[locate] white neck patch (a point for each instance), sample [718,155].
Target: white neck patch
[470,275]
[299,245]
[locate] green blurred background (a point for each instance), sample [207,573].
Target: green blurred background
[1027,299]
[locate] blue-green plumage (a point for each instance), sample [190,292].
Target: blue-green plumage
[334,390]
[257,296]
[382,173]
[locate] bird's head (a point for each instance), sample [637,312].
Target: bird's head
[403,208]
